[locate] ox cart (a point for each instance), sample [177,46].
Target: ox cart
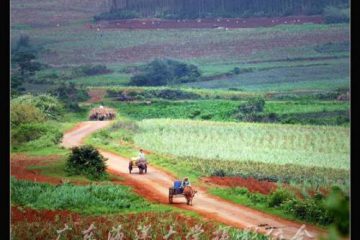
[142,166]
[177,191]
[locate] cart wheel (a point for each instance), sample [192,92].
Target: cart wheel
[145,169]
[170,199]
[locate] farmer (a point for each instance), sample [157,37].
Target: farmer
[185,183]
[141,156]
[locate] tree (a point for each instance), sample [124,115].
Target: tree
[165,72]
[70,95]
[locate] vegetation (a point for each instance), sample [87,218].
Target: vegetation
[35,136]
[165,72]
[269,143]
[86,160]
[89,199]
[283,202]
[22,113]
[180,9]
[71,95]
[49,105]
[154,225]
[124,131]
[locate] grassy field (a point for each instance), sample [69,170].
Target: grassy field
[269,143]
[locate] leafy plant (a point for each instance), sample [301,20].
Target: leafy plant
[49,105]
[88,161]
[21,113]
[165,72]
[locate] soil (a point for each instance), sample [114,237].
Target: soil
[155,184]
[20,164]
[252,184]
[220,23]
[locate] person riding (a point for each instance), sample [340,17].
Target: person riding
[185,183]
[141,160]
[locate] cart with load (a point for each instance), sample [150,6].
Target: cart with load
[177,191]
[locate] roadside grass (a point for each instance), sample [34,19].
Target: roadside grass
[259,202]
[90,199]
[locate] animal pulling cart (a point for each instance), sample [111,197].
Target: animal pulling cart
[177,191]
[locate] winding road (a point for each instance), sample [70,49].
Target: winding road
[157,182]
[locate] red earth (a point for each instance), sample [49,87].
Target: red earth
[20,164]
[221,23]
[252,184]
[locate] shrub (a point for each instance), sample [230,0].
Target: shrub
[219,173]
[334,14]
[337,204]
[46,133]
[21,113]
[70,95]
[278,197]
[165,72]
[90,70]
[49,105]
[88,161]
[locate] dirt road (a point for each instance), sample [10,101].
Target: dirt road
[157,183]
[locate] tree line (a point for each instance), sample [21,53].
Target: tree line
[223,8]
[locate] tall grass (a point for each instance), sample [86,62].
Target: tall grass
[320,146]
[89,199]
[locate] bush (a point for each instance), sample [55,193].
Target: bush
[309,210]
[165,72]
[279,196]
[336,15]
[47,134]
[90,70]
[337,204]
[21,113]
[219,173]
[49,105]
[115,15]
[70,95]
[88,161]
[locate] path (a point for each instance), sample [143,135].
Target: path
[157,182]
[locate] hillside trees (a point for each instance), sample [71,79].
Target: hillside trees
[23,63]
[165,72]
[222,8]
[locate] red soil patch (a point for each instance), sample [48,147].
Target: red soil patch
[252,184]
[20,163]
[139,188]
[96,95]
[19,214]
[205,23]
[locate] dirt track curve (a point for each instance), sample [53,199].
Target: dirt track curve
[158,182]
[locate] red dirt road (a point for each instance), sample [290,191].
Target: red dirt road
[157,183]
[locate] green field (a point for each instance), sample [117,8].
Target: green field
[269,143]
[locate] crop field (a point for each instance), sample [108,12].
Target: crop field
[278,144]
[327,76]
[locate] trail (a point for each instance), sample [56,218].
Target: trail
[157,182]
